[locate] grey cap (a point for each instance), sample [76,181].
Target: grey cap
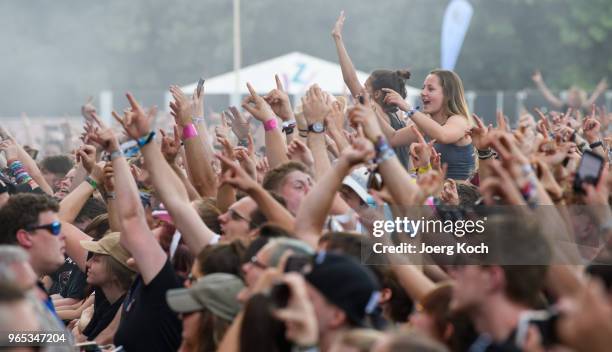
[215,292]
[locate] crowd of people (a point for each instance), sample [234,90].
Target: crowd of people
[252,232]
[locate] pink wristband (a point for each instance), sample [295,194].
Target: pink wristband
[189,131]
[270,125]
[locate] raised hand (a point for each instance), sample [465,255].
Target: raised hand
[86,154]
[502,125]
[394,98]
[228,148]
[88,109]
[246,162]
[362,114]
[360,151]
[239,125]
[316,105]
[109,181]
[278,100]
[170,146]
[299,315]
[500,183]
[479,134]
[182,107]
[10,148]
[337,30]
[591,128]
[235,176]
[102,135]
[449,194]
[335,119]
[420,152]
[257,106]
[298,151]
[136,121]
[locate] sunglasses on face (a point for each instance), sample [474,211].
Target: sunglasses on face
[55,228]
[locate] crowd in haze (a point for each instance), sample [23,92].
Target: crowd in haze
[246,231]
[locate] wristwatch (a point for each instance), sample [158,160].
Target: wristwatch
[288,127]
[317,127]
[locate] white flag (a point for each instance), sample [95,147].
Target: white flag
[454,26]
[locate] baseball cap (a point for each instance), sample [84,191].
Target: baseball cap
[358,182]
[347,284]
[216,292]
[109,245]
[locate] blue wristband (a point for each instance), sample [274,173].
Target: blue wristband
[142,141]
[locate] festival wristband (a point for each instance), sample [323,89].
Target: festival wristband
[270,125]
[92,182]
[197,120]
[116,154]
[142,141]
[596,144]
[189,131]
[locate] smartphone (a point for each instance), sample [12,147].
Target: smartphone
[589,170]
[296,263]
[546,323]
[279,295]
[200,85]
[89,346]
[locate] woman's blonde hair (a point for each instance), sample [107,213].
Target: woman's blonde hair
[454,95]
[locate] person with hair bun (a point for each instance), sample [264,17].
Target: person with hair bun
[444,116]
[375,86]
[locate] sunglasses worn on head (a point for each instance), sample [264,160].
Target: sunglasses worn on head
[55,228]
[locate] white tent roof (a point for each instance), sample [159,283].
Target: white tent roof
[297,71]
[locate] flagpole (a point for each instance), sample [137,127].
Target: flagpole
[235,99]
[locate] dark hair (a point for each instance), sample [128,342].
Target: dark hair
[182,261]
[98,226]
[257,216]
[395,80]
[269,230]
[22,210]
[57,164]
[93,207]
[400,304]
[211,330]
[437,304]
[260,331]
[275,178]
[221,258]
[209,213]
[468,194]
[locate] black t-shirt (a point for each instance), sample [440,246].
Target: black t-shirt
[69,281]
[147,323]
[104,313]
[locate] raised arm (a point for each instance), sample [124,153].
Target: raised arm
[136,237]
[601,87]
[203,176]
[173,194]
[276,149]
[72,203]
[318,202]
[316,108]
[348,70]
[401,185]
[548,95]
[236,177]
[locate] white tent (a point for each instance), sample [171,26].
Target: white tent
[297,71]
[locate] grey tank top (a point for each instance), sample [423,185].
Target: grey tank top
[460,160]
